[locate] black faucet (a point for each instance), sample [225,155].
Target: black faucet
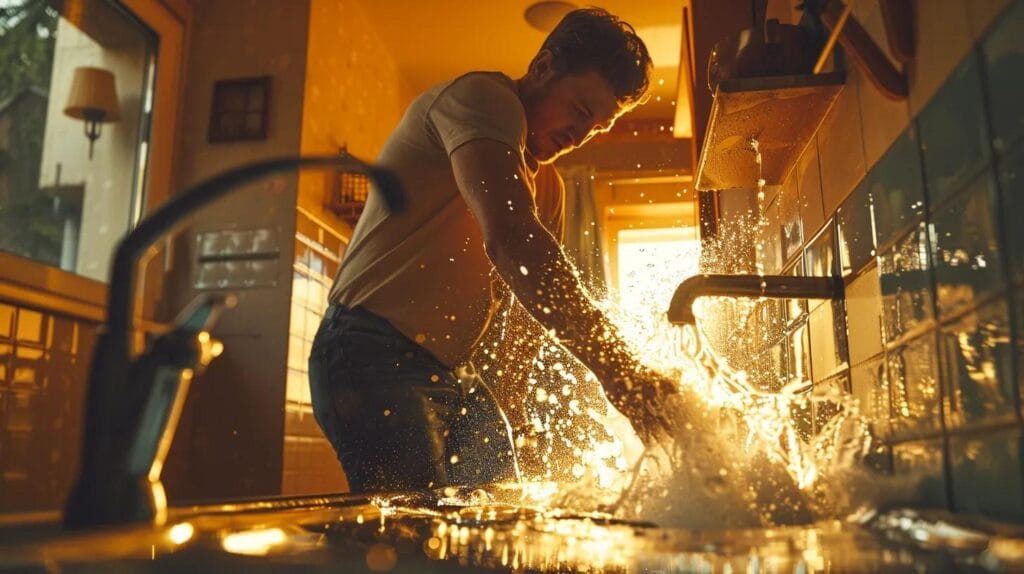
[680,310]
[133,403]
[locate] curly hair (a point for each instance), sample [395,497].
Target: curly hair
[594,39]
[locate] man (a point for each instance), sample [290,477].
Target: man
[416,289]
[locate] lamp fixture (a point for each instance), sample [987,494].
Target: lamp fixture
[546,14]
[93,99]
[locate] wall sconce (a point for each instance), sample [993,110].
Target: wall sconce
[93,99]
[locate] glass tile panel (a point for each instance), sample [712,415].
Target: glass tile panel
[986,474]
[1003,52]
[904,274]
[820,254]
[856,230]
[977,355]
[920,464]
[914,382]
[954,134]
[1011,182]
[870,386]
[896,188]
[965,244]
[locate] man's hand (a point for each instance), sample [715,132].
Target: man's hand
[641,398]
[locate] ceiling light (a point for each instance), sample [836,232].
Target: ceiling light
[546,14]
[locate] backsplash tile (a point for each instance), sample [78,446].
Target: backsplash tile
[796,308]
[799,355]
[864,316]
[922,220]
[914,382]
[855,229]
[819,257]
[1018,345]
[828,339]
[828,395]
[954,135]
[977,360]
[1011,182]
[921,464]
[792,226]
[986,474]
[769,243]
[809,187]
[965,245]
[1003,52]
[778,357]
[869,384]
[905,277]
[43,360]
[896,188]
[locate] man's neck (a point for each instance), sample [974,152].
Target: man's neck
[531,162]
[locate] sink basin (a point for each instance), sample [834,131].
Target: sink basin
[491,530]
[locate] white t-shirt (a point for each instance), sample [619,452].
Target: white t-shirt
[425,269]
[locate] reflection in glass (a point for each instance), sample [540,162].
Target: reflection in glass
[968,263]
[977,355]
[870,386]
[914,380]
[906,286]
[58,205]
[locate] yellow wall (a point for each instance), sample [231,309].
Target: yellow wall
[353,97]
[354,93]
[242,38]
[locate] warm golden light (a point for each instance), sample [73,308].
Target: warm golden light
[253,542]
[181,533]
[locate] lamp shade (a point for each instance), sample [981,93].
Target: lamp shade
[93,96]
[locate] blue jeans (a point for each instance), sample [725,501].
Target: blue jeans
[397,417]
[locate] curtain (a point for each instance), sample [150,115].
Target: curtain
[582,227]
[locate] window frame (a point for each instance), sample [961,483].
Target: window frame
[32,283]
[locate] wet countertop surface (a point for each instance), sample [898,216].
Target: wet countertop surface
[492,531]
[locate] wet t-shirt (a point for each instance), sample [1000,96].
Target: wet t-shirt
[425,269]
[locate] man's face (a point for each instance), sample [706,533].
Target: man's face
[563,112]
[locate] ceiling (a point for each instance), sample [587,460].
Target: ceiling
[440,39]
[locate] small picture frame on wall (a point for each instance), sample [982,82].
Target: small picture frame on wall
[239,110]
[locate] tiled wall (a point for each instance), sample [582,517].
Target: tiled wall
[44,358]
[917,205]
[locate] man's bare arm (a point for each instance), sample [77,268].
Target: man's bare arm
[492,180]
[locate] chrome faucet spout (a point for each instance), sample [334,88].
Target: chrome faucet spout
[680,310]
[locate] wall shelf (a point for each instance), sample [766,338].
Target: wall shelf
[781,112]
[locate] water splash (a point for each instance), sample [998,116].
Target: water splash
[749,447]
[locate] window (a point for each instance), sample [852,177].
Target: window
[75,101]
[652,263]
[239,110]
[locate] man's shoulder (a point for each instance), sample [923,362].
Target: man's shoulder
[477,85]
[483,79]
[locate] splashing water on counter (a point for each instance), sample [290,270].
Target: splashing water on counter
[743,453]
